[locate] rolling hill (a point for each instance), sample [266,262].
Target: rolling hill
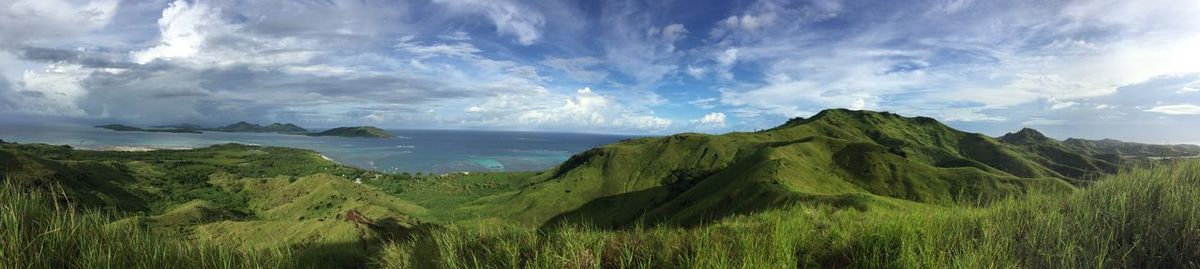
[843,158]
[840,186]
[224,194]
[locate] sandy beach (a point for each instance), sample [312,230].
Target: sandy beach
[134,148]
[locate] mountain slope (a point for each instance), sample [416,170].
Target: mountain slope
[1062,158]
[844,158]
[1130,149]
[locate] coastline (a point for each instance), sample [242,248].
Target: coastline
[132,148]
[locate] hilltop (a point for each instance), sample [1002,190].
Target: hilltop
[360,131]
[843,158]
[242,126]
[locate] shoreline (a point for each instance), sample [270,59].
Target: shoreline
[132,148]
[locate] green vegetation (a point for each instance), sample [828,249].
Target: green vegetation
[1145,218]
[841,189]
[360,131]
[126,128]
[38,230]
[842,158]
[242,126]
[1120,148]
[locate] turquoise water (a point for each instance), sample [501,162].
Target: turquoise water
[430,151]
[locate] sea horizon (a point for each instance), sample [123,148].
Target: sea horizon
[412,150]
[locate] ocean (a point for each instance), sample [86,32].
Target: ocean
[427,151]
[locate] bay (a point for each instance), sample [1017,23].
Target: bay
[428,151]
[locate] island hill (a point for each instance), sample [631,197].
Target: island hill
[360,131]
[245,127]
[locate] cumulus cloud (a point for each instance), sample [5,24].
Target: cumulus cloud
[184,28]
[715,119]
[584,109]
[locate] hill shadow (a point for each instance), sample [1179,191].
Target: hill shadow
[358,253]
[659,206]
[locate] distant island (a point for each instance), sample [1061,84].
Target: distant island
[126,128]
[360,131]
[245,127]
[242,126]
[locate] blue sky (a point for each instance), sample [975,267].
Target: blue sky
[1120,69]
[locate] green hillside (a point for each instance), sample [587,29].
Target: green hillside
[1139,218]
[245,196]
[843,158]
[360,131]
[840,189]
[242,126]
[1129,149]
[1063,158]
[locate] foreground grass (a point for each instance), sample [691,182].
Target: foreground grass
[36,231]
[1144,218]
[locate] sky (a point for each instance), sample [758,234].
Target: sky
[1093,69]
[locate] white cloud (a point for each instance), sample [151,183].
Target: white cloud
[1102,106]
[584,110]
[1042,122]
[715,119]
[420,51]
[704,103]
[674,32]
[1062,105]
[581,68]
[184,28]
[696,72]
[1186,109]
[510,18]
[30,20]
[57,88]
[455,36]
[975,64]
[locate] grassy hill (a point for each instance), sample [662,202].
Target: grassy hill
[841,189]
[842,158]
[1121,148]
[1063,158]
[360,131]
[241,196]
[1140,218]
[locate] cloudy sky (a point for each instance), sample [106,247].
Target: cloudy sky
[1121,69]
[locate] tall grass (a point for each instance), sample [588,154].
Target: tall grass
[1143,218]
[39,231]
